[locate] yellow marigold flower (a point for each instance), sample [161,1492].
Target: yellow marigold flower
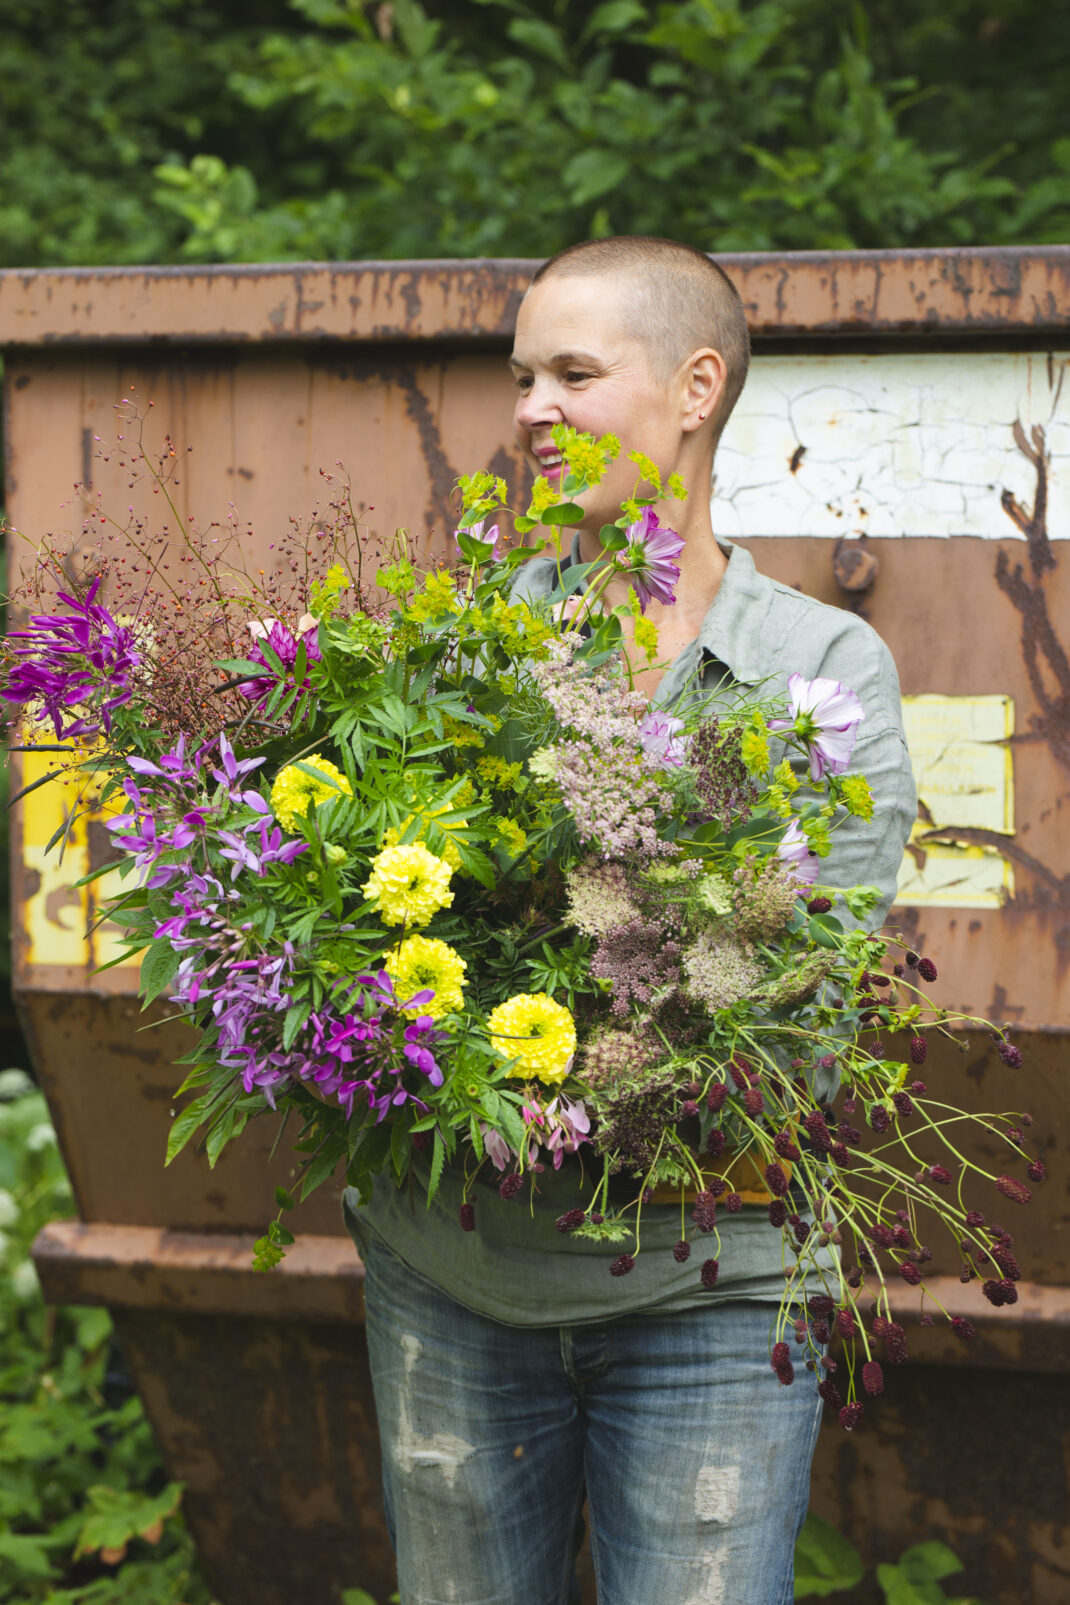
[421,962]
[856,796]
[543,495]
[408,885]
[513,835]
[535,1032]
[295,792]
[426,815]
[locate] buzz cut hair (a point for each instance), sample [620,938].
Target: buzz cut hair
[681,301]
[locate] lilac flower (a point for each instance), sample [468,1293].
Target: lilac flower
[662,745]
[794,850]
[479,532]
[285,645]
[233,770]
[825,715]
[69,659]
[647,559]
[174,766]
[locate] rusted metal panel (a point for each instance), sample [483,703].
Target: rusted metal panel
[1012,291]
[198,1273]
[270,1426]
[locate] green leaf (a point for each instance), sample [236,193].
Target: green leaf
[27,1553]
[613,16]
[185,1124]
[116,1515]
[899,1590]
[158,969]
[356,1596]
[825,1563]
[438,1160]
[563,513]
[928,1562]
[283,1198]
[541,38]
[592,173]
[823,929]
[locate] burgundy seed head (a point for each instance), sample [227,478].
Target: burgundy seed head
[733,1203]
[1006,1262]
[840,1153]
[739,1070]
[710,1270]
[909,1272]
[904,1103]
[940,1175]
[1037,1170]
[715,1143]
[596,1218]
[919,1088]
[776,1180]
[850,1416]
[820,1304]
[927,1319]
[974,1218]
[1010,1055]
[854,1276]
[570,1220]
[901,1236]
[704,1211]
[1000,1292]
[967,1274]
[682,1252]
[688,1109]
[848,1134]
[819,905]
[927,969]
[781,1355]
[753,1101]
[1013,1189]
[716,1097]
[827,1061]
[622,1265]
[879,1118]
[846,1325]
[510,1186]
[785,1147]
[873,1378]
[718,1185]
[778,1212]
[822,1331]
[468,1217]
[882,1235]
[918,1050]
[897,969]
[963,1328]
[830,1393]
[912,960]
[895,1342]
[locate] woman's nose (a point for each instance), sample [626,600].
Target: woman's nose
[538,406]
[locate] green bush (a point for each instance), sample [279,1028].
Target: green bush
[86,1515]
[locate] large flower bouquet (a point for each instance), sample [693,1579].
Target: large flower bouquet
[424,870]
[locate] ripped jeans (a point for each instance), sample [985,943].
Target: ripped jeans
[695,1464]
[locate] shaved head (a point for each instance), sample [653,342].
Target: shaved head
[679,302]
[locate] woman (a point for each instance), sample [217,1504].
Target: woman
[513,1376]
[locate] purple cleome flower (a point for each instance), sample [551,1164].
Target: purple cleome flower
[68,659]
[826,715]
[285,644]
[647,560]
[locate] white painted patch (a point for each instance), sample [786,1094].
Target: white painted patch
[717,1493]
[711,1590]
[917,444]
[442,1449]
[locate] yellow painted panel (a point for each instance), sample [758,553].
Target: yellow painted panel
[964,771]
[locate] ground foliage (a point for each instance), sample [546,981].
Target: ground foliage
[153,130]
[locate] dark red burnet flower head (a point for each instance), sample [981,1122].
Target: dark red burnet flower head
[873,1378]
[851,1415]
[927,969]
[510,1186]
[717,1097]
[776,1180]
[1013,1189]
[1037,1171]
[709,1273]
[468,1217]
[570,1220]
[715,1142]
[1010,1055]
[622,1265]
[681,1251]
[919,1048]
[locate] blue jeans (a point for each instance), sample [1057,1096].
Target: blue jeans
[694,1461]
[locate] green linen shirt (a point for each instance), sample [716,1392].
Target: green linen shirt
[516,1267]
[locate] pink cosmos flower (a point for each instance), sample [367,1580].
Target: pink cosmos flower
[826,715]
[647,559]
[795,851]
[480,533]
[662,745]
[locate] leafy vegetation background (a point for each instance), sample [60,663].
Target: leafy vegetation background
[253,130]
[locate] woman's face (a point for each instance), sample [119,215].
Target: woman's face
[575,363]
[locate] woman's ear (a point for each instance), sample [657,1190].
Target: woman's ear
[704,374]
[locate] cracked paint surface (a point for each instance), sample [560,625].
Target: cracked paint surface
[891,445]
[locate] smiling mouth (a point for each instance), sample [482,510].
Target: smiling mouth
[551,465]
